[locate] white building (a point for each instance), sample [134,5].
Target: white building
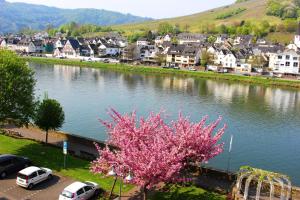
[142,42]
[286,62]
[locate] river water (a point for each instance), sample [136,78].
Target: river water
[264,121]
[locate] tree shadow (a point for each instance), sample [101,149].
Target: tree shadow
[47,183]
[49,156]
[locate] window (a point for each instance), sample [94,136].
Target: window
[87,188]
[295,58]
[79,192]
[41,172]
[33,175]
[287,64]
[5,163]
[287,57]
[279,57]
[295,64]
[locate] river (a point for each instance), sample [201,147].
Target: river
[264,121]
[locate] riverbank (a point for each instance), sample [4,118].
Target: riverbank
[258,80]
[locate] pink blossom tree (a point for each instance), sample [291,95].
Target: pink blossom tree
[154,151]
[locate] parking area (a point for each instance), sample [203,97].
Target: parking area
[47,190]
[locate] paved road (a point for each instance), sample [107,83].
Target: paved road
[47,190]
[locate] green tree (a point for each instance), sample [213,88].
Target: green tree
[165,28]
[258,61]
[211,39]
[206,58]
[16,89]
[49,116]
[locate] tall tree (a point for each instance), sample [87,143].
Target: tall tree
[153,151]
[206,58]
[16,89]
[49,116]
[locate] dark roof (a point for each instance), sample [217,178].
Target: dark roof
[176,49]
[74,43]
[38,42]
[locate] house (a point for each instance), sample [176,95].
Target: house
[142,42]
[30,46]
[174,55]
[108,49]
[159,40]
[286,62]
[71,48]
[221,39]
[60,43]
[129,53]
[244,68]
[184,56]
[148,53]
[244,40]
[3,43]
[189,38]
[10,43]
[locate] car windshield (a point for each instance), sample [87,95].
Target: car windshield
[88,183]
[67,194]
[22,176]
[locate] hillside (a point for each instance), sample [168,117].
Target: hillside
[252,10]
[16,16]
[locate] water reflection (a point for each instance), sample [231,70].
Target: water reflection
[277,99]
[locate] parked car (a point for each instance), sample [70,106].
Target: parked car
[11,163]
[106,60]
[31,176]
[80,191]
[192,69]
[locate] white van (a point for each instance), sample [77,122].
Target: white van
[80,191]
[31,176]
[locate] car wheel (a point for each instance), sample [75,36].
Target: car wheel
[96,193]
[30,186]
[3,175]
[50,176]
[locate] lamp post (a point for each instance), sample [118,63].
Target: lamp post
[113,173]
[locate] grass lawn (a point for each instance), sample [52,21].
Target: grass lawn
[52,157]
[186,193]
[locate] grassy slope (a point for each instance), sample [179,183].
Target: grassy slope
[51,157]
[160,71]
[256,10]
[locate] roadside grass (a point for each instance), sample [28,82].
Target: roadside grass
[51,157]
[157,70]
[186,193]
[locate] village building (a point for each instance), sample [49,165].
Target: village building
[71,48]
[286,62]
[189,38]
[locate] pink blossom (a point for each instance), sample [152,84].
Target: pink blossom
[154,151]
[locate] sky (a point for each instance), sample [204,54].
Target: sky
[145,8]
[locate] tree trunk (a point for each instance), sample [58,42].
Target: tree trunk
[144,193]
[113,187]
[46,136]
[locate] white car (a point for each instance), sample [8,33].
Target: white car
[79,191]
[31,176]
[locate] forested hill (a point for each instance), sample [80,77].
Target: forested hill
[17,16]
